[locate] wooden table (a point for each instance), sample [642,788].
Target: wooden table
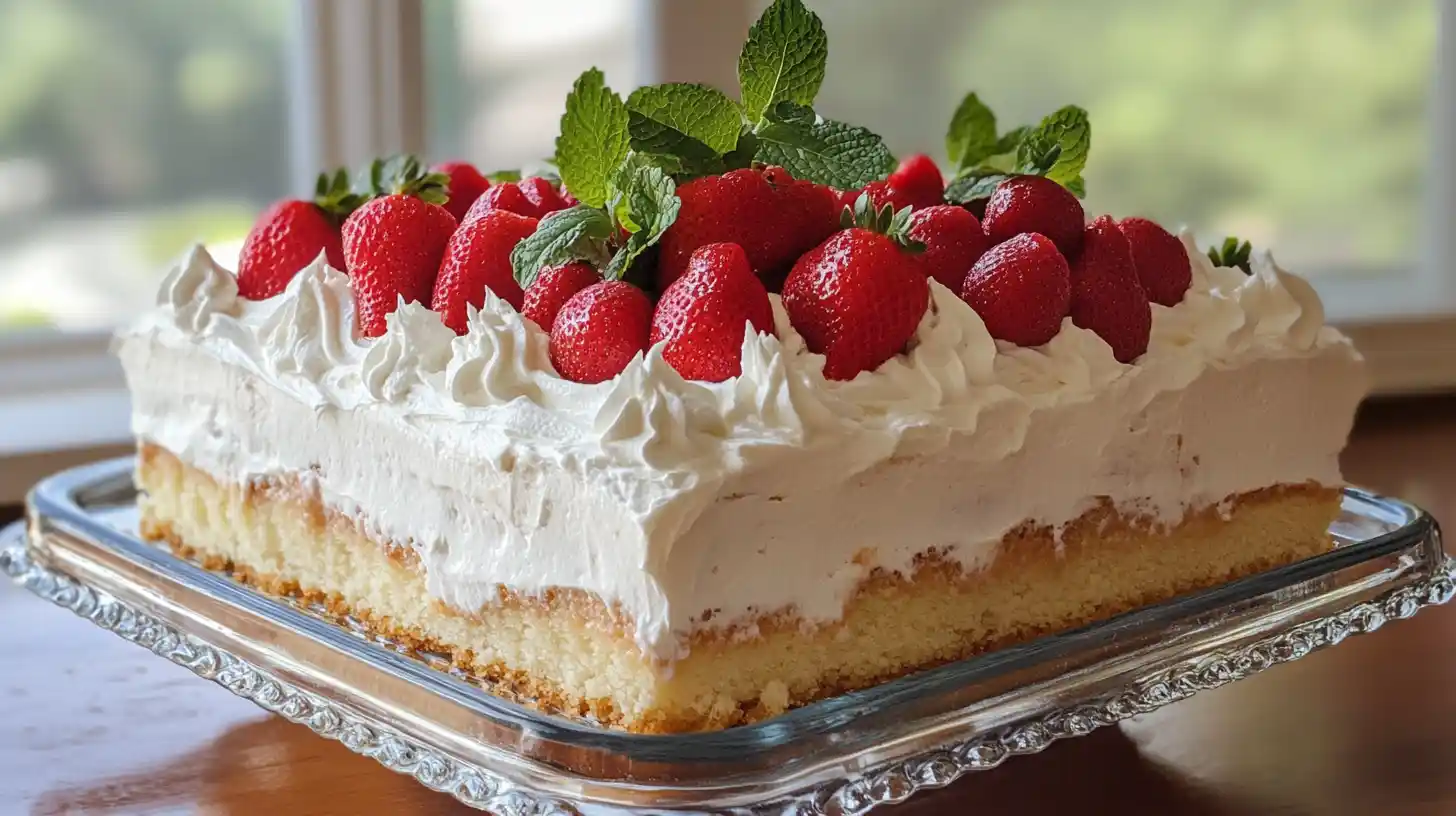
[92,724]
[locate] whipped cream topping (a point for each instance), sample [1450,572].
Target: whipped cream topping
[671,498]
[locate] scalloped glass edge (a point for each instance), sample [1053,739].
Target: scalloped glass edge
[1420,575]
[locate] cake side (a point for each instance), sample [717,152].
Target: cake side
[565,651]
[733,500]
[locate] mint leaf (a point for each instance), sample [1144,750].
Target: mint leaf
[645,204]
[974,184]
[1077,187]
[593,138]
[503,176]
[681,118]
[971,137]
[821,150]
[783,59]
[1057,148]
[579,233]
[1011,140]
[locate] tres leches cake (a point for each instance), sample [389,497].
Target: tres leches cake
[736,413]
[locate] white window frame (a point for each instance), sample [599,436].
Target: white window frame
[359,79]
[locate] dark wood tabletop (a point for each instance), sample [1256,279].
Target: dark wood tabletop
[92,724]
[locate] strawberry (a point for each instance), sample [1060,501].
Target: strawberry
[1035,204]
[599,330]
[915,183]
[466,184]
[478,258]
[1022,289]
[394,243]
[1162,263]
[533,197]
[554,286]
[858,297]
[774,217]
[290,234]
[700,318]
[953,242]
[1106,295]
[918,181]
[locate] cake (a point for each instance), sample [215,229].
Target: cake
[802,470]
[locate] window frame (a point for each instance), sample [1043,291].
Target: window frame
[357,71]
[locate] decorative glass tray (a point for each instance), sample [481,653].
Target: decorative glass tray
[845,755]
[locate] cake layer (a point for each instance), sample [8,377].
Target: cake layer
[690,508]
[566,650]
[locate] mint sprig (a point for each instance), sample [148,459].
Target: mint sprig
[783,59]
[578,233]
[971,137]
[1232,253]
[1057,148]
[593,140]
[974,185]
[821,150]
[683,119]
[644,203]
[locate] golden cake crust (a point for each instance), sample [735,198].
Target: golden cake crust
[277,535]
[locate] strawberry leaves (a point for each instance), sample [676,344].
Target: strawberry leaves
[333,194]
[783,59]
[821,150]
[593,140]
[1232,253]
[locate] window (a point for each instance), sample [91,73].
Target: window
[1302,126]
[128,130]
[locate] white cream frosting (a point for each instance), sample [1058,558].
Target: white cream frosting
[669,498]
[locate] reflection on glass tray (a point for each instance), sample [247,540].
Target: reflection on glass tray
[842,755]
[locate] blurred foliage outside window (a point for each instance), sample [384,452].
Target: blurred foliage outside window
[128,129]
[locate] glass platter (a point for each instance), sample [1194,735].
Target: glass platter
[845,755]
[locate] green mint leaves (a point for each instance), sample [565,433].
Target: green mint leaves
[579,233]
[1056,148]
[971,138]
[682,119]
[821,150]
[1232,253]
[644,203]
[593,140]
[783,59]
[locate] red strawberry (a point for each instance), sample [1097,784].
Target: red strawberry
[918,181]
[1022,289]
[554,286]
[701,316]
[466,184]
[533,197]
[774,217]
[290,234]
[857,299]
[478,258]
[953,242]
[1162,263]
[599,330]
[1035,204]
[915,183]
[1106,295]
[394,243]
